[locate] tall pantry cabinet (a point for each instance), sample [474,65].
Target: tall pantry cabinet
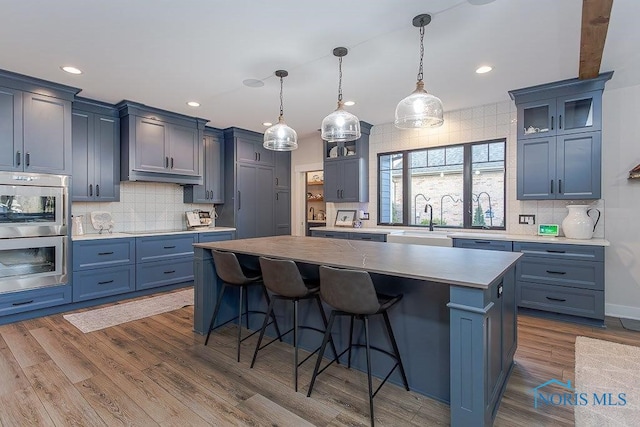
[257,186]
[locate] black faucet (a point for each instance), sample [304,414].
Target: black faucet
[429,208]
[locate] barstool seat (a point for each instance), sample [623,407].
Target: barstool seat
[283,279]
[352,293]
[230,272]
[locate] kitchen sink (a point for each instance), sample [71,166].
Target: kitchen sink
[429,238]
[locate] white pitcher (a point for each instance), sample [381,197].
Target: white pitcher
[76,225]
[578,224]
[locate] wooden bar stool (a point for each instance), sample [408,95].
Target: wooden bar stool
[231,274]
[283,279]
[351,293]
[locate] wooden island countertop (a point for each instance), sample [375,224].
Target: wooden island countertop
[451,266]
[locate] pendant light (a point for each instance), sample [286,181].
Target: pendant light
[341,125]
[420,109]
[280,137]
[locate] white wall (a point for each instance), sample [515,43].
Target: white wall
[620,153]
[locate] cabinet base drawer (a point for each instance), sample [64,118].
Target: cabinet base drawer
[165,272]
[492,245]
[560,299]
[18,302]
[102,253]
[577,274]
[102,282]
[373,237]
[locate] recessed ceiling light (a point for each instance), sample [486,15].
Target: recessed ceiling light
[267,124]
[484,69]
[193,104]
[71,70]
[350,103]
[253,83]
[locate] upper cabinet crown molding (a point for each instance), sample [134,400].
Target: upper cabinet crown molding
[560,88]
[39,86]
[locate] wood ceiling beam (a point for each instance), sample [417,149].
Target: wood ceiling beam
[595,23]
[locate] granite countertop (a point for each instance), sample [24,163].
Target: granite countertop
[416,233]
[452,266]
[121,235]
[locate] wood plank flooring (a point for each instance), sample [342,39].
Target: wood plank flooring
[156,371]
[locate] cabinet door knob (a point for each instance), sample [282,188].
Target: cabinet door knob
[27,158]
[18,158]
[239,201]
[551,190]
[551,122]
[560,186]
[172,163]
[560,121]
[90,189]
[166,162]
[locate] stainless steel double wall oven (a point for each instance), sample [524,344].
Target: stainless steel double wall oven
[34,241]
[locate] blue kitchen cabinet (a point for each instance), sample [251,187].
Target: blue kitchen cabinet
[256,187]
[159,145]
[563,167]
[559,139]
[491,245]
[35,125]
[346,169]
[13,303]
[164,260]
[96,152]
[103,267]
[370,237]
[212,189]
[217,236]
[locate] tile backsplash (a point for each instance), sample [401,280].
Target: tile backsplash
[143,206]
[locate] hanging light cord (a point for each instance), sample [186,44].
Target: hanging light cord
[340,79]
[420,74]
[281,103]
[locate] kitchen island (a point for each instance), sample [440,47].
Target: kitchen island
[455,326]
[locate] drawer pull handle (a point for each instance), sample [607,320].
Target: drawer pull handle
[556,272]
[169,247]
[555,251]
[105,253]
[486,242]
[365,238]
[169,272]
[15,304]
[556,299]
[105,282]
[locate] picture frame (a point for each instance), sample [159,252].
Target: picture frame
[345,218]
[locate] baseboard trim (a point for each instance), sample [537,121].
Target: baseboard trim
[624,311]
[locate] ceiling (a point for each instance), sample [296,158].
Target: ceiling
[164,53]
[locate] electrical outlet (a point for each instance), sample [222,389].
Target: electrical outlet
[527,219]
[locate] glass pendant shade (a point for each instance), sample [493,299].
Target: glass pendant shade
[280,137]
[419,110]
[340,126]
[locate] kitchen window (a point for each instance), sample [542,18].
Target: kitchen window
[457,186]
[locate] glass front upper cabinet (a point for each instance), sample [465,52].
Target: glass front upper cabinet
[559,116]
[335,150]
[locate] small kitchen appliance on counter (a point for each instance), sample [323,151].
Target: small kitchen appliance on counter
[199,219]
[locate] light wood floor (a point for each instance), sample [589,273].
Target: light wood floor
[155,371]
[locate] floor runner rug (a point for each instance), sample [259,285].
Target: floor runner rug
[100,318]
[607,383]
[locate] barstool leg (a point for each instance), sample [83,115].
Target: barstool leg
[395,349]
[264,328]
[350,342]
[246,308]
[295,344]
[324,322]
[325,340]
[273,316]
[215,312]
[366,341]
[239,323]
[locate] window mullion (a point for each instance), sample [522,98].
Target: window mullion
[467,180]
[406,199]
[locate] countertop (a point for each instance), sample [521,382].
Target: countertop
[452,266]
[468,235]
[149,233]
